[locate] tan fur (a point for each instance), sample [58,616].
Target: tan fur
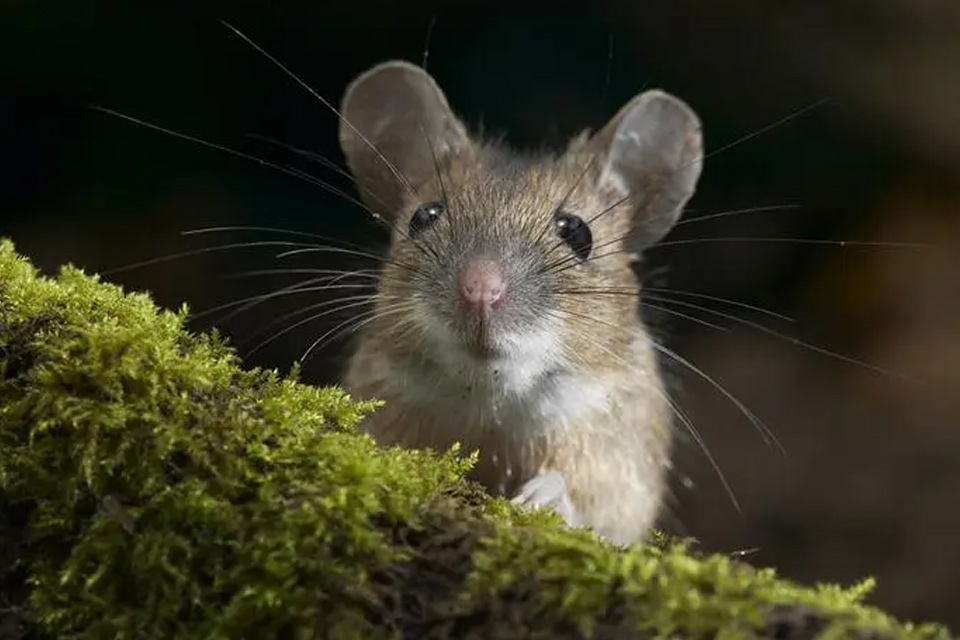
[614,454]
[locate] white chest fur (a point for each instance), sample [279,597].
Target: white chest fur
[525,394]
[506,422]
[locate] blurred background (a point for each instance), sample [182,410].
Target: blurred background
[869,480]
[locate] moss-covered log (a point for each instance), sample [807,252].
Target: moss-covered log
[150,487]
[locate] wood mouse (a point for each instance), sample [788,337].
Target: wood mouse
[507,313]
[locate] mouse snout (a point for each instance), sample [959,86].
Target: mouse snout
[481,284]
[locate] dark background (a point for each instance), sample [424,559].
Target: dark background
[870,481]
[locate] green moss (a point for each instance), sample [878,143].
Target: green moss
[150,487]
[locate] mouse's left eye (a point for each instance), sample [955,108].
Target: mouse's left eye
[575,233]
[424,217]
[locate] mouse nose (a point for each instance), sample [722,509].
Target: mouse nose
[481,284]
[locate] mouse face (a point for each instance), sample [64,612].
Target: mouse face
[497,267]
[503,263]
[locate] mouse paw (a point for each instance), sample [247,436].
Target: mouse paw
[548,489]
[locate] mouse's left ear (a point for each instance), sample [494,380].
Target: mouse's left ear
[650,157]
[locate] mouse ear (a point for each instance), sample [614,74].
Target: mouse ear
[395,126]
[651,154]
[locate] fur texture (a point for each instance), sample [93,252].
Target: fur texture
[564,401]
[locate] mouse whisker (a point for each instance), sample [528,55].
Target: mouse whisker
[361,299]
[640,294]
[758,132]
[805,241]
[570,192]
[349,252]
[246,304]
[685,316]
[333,273]
[337,191]
[573,260]
[388,222]
[733,303]
[569,262]
[675,408]
[404,182]
[609,73]
[290,171]
[650,295]
[294,288]
[354,302]
[619,203]
[388,309]
[290,232]
[589,221]
[365,308]
[766,433]
[316,157]
[439,175]
[795,341]
[666,310]
[738,212]
[702,157]
[203,250]
[401,328]
[564,260]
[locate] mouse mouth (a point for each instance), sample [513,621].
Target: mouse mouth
[478,339]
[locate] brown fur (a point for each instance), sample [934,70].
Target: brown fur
[615,452]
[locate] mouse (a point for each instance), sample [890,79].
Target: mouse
[507,315]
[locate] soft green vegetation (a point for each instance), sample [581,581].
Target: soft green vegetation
[150,487]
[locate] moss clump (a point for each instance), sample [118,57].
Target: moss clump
[152,488]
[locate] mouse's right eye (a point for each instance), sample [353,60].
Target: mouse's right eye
[424,217]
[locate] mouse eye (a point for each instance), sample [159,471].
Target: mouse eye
[575,233]
[424,217]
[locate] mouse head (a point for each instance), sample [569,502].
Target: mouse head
[496,255]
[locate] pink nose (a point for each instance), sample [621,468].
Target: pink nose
[481,285]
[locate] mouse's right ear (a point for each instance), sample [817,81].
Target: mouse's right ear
[395,128]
